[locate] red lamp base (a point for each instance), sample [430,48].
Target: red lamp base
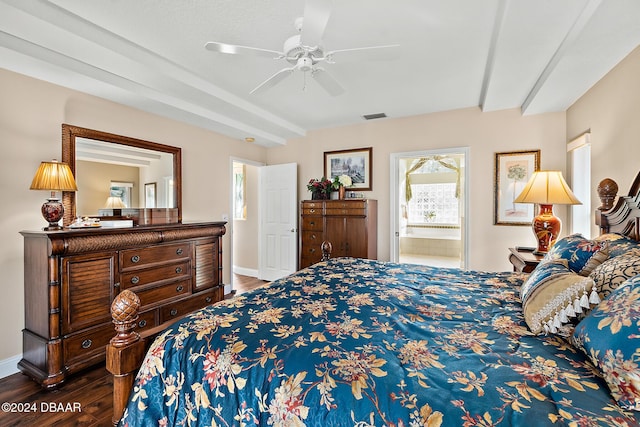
[52,211]
[546,227]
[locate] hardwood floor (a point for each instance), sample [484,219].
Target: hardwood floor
[84,400]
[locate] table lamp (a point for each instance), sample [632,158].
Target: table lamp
[53,176]
[116,204]
[547,188]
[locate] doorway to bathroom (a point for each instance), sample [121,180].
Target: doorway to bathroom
[429,200]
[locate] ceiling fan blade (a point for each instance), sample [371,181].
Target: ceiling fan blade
[372,53]
[241,50]
[327,82]
[316,16]
[273,80]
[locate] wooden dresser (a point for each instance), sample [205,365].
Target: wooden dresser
[72,276]
[351,225]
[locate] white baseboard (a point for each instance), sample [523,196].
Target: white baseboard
[9,366]
[245,271]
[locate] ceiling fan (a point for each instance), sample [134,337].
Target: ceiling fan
[304,51]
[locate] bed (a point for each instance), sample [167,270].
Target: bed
[354,342]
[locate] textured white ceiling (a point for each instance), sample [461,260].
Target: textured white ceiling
[538,55]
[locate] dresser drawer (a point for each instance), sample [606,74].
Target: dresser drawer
[84,346]
[312,223]
[174,271]
[135,258]
[312,204]
[312,211]
[346,204]
[179,308]
[312,239]
[156,294]
[312,250]
[346,212]
[146,321]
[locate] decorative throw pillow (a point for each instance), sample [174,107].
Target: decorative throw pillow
[553,294]
[582,255]
[611,273]
[610,337]
[620,244]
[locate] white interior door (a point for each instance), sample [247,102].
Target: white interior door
[278,235]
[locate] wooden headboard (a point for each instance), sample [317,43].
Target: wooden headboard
[621,215]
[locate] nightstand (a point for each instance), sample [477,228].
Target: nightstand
[523,260]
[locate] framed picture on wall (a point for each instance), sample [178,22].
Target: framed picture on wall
[512,172]
[356,163]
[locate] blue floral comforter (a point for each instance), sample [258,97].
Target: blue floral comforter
[353,342]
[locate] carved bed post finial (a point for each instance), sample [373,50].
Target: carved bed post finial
[124,311]
[607,191]
[326,248]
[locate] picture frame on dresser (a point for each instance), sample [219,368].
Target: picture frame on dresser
[357,163]
[512,171]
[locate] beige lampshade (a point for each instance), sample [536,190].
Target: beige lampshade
[547,188]
[54,176]
[114,203]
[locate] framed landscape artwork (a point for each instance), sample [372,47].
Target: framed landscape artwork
[512,172]
[356,163]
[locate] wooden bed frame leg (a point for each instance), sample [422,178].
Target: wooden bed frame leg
[125,351]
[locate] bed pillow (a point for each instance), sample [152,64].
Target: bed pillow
[611,273]
[553,294]
[610,337]
[620,244]
[581,255]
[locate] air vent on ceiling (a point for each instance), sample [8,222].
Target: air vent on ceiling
[374,116]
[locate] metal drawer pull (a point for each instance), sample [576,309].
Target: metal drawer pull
[86,344]
[142,323]
[135,258]
[207,300]
[135,279]
[312,210]
[179,251]
[173,312]
[178,270]
[179,288]
[116,285]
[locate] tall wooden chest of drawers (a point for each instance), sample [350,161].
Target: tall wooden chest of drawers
[72,276]
[351,225]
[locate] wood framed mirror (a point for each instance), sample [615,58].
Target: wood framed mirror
[91,141]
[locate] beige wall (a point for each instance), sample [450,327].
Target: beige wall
[94,181]
[31,114]
[484,133]
[611,110]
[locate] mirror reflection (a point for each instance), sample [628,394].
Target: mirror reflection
[114,176]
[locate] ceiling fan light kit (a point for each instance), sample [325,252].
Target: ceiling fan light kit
[304,50]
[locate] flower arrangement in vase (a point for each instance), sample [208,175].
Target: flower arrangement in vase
[320,188]
[340,183]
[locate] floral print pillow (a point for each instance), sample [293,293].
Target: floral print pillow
[582,255]
[610,337]
[620,244]
[553,295]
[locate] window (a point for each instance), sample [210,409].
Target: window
[433,204]
[239,200]
[434,187]
[580,163]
